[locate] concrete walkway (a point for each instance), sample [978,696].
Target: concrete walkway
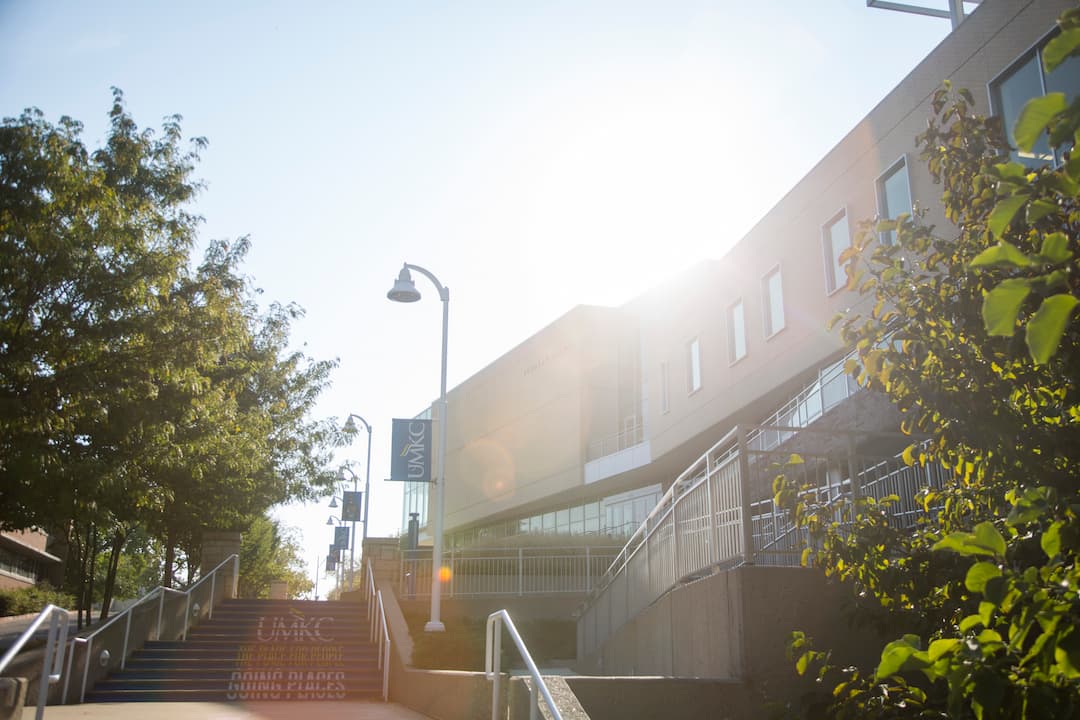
[329,710]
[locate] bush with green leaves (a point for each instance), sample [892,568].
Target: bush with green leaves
[25,601]
[973,335]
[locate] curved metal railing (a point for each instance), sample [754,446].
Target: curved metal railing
[59,620]
[492,657]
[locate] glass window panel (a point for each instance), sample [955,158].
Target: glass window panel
[736,332]
[894,191]
[549,522]
[1011,93]
[1065,79]
[694,365]
[835,239]
[665,396]
[535,525]
[773,295]
[562,520]
[577,513]
[592,510]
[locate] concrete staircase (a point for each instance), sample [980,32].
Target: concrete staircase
[256,650]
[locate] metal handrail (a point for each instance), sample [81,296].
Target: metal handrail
[59,620]
[492,659]
[377,617]
[158,592]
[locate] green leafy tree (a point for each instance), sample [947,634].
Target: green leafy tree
[972,335]
[269,552]
[139,395]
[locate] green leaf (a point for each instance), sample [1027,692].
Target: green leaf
[942,647]
[1051,540]
[1058,49]
[971,621]
[1002,304]
[1029,507]
[1036,115]
[1047,325]
[1038,209]
[978,575]
[898,655]
[1055,248]
[1067,654]
[1004,212]
[988,536]
[1003,253]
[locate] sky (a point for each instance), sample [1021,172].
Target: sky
[534,155]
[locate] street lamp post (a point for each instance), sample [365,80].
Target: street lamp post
[404,290]
[350,426]
[340,574]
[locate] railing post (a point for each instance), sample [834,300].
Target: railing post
[236,576]
[744,497]
[588,570]
[856,486]
[213,591]
[187,616]
[127,633]
[713,527]
[521,572]
[160,610]
[86,669]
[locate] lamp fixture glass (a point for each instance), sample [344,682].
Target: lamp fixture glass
[404,289]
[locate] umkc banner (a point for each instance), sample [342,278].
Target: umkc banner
[410,456]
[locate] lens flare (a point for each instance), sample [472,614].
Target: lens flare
[445,574]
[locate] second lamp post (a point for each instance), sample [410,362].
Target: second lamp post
[404,290]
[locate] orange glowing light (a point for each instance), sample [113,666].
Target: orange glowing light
[445,574]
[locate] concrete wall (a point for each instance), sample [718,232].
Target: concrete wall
[735,625]
[642,698]
[517,429]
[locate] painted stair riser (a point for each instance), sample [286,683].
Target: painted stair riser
[256,651]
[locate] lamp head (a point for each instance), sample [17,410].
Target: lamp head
[333,503]
[404,289]
[330,520]
[350,425]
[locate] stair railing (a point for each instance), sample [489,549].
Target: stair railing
[59,620]
[492,660]
[159,594]
[379,632]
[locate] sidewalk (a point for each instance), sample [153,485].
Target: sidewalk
[318,710]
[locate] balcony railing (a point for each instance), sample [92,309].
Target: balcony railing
[633,434]
[719,513]
[502,571]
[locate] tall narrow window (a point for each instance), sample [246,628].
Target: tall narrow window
[835,239]
[665,389]
[736,332]
[693,366]
[894,196]
[772,295]
[1027,79]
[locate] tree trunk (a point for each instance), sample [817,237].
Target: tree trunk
[88,570]
[118,540]
[170,560]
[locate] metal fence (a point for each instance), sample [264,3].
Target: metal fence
[720,513]
[506,571]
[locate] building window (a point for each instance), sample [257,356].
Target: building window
[1026,79]
[736,332]
[772,295]
[835,239]
[894,196]
[693,366]
[665,389]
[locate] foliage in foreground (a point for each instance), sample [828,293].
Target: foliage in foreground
[973,337]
